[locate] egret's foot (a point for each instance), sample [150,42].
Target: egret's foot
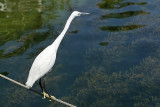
[50,98]
[44,95]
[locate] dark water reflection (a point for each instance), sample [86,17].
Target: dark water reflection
[110,58]
[117,4]
[120,28]
[124,14]
[104,43]
[76,31]
[131,3]
[4,73]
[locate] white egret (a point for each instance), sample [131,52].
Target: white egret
[44,62]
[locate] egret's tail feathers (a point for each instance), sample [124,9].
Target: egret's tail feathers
[29,84]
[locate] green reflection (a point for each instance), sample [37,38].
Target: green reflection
[120,28]
[27,42]
[18,17]
[131,3]
[116,4]
[124,14]
[109,4]
[21,19]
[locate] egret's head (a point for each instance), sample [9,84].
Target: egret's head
[76,13]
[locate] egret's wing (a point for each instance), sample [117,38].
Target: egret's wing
[42,64]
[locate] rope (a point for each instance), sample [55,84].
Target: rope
[24,86]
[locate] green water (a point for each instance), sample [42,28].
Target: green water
[110,58]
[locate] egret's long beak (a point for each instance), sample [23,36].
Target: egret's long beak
[84,13]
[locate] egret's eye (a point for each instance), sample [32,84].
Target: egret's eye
[79,14]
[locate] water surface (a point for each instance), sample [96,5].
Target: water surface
[108,58]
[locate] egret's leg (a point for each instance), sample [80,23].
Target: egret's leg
[44,87]
[40,84]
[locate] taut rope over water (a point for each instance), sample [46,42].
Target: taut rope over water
[24,86]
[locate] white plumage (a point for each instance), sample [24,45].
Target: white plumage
[44,62]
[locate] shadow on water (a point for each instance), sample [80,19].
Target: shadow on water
[120,28]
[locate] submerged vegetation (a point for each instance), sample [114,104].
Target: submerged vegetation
[139,86]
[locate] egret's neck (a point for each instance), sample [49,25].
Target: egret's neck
[60,37]
[67,25]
